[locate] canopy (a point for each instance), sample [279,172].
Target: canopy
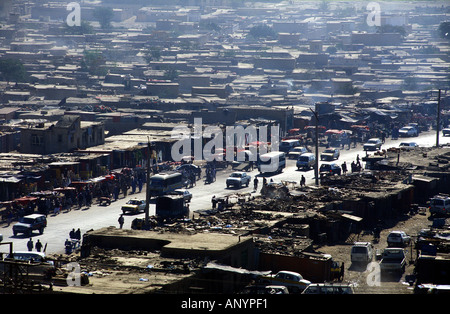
[329,132]
[25,199]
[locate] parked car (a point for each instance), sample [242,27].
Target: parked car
[408,145]
[330,154]
[398,239]
[238,179]
[271,289]
[185,193]
[439,205]
[29,223]
[373,144]
[134,206]
[330,169]
[306,161]
[329,288]
[362,252]
[446,131]
[292,280]
[40,265]
[408,131]
[297,151]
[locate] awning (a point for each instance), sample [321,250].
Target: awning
[25,199]
[10,180]
[329,132]
[212,265]
[352,217]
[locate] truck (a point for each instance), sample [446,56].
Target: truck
[171,207]
[393,260]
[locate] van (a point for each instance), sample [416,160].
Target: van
[306,161]
[440,205]
[362,252]
[287,145]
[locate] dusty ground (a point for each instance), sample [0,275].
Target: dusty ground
[361,276]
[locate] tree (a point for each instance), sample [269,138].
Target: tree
[391,29]
[259,31]
[152,54]
[104,16]
[84,28]
[444,30]
[13,70]
[93,62]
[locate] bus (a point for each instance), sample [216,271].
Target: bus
[272,162]
[165,182]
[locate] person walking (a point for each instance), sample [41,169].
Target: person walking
[121,221]
[255,184]
[214,202]
[30,245]
[344,168]
[302,181]
[38,245]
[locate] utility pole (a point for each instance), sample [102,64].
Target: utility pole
[316,165]
[147,188]
[438,120]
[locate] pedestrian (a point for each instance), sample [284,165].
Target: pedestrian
[344,167]
[255,184]
[38,245]
[68,246]
[302,181]
[214,202]
[10,217]
[121,221]
[72,234]
[30,245]
[78,234]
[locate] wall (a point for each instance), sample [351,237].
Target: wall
[312,269]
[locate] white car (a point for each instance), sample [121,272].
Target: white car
[373,144]
[238,179]
[408,131]
[185,193]
[292,280]
[408,145]
[297,151]
[398,239]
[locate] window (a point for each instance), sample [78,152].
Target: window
[36,140]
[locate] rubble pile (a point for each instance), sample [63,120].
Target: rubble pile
[285,246]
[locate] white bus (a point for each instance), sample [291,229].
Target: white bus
[272,162]
[165,182]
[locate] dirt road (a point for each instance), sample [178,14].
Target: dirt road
[364,278]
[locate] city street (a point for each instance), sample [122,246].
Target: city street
[96,216]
